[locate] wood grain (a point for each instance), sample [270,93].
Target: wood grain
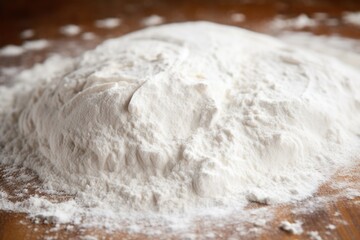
[45,17]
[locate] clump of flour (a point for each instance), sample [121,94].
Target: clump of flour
[183,117]
[294,228]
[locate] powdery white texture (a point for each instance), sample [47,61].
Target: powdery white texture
[27,33]
[108,23]
[331,227]
[299,22]
[294,228]
[314,235]
[344,49]
[60,212]
[36,44]
[182,117]
[88,237]
[237,17]
[352,18]
[70,30]
[88,36]
[9,71]
[11,51]
[12,98]
[152,20]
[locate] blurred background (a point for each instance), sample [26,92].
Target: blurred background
[45,17]
[31,31]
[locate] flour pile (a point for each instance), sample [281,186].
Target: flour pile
[182,117]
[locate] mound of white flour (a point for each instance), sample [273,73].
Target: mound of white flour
[182,116]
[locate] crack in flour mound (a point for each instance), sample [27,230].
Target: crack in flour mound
[181,118]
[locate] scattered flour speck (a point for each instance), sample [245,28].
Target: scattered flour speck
[314,235]
[331,227]
[108,23]
[152,20]
[238,17]
[11,51]
[352,18]
[28,33]
[70,30]
[294,228]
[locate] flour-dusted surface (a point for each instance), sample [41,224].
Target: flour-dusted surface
[299,22]
[108,23]
[352,18]
[70,30]
[293,228]
[33,45]
[180,118]
[152,20]
[11,51]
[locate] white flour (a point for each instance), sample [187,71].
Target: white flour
[299,22]
[27,33]
[344,49]
[70,30]
[33,45]
[179,118]
[331,227]
[314,235]
[294,228]
[303,21]
[352,18]
[36,44]
[88,36]
[238,17]
[152,20]
[11,51]
[108,23]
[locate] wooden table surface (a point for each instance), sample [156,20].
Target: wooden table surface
[45,17]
